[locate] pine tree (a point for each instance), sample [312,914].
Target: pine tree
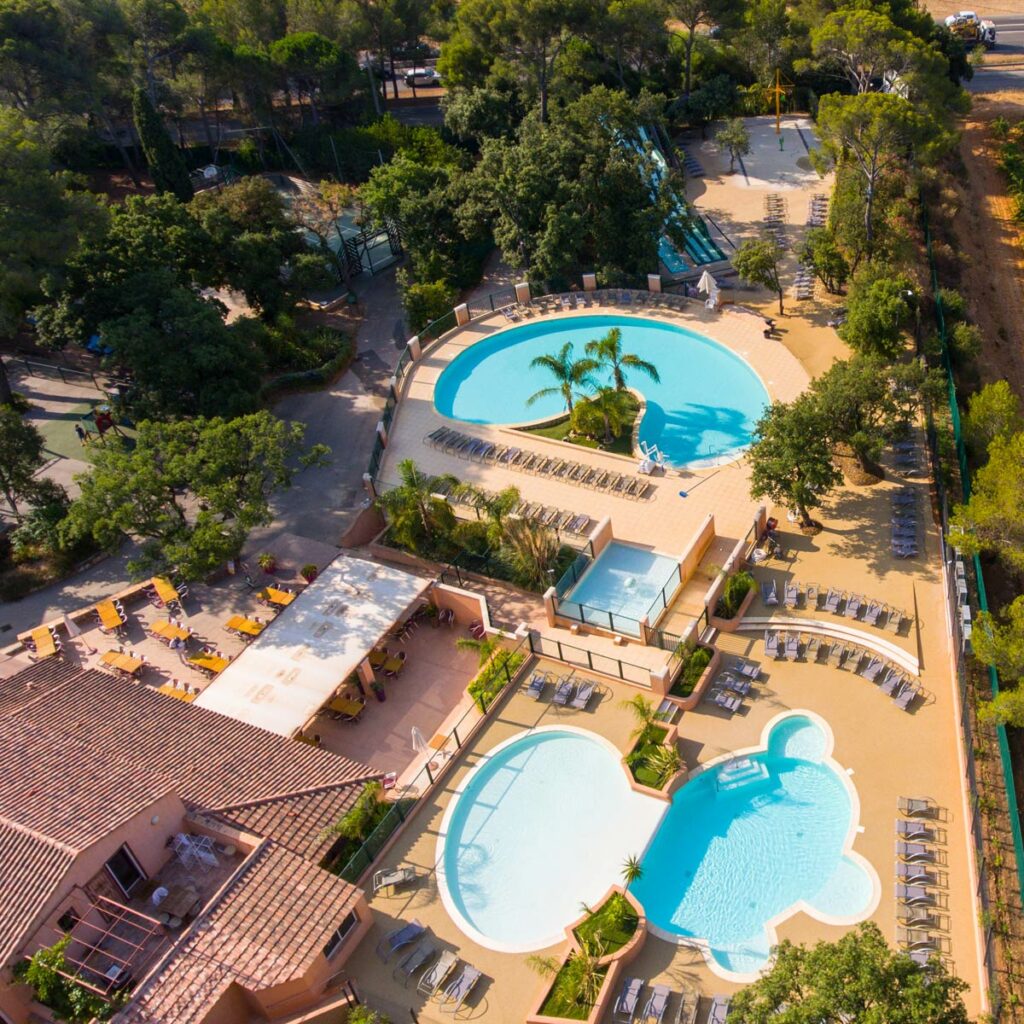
[165,162]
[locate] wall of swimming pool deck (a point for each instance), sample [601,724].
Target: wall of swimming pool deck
[544,822]
[703,409]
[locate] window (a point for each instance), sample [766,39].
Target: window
[67,921]
[125,870]
[339,934]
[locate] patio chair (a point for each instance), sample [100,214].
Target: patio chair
[655,1007]
[871,613]
[914,874]
[394,941]
[917,807]
[457,992]
[393,878]
[894,619]
[535,688]
[920,852]
[689,1003]
[906,697]
[914,895]
[811,594]
[583,694]
[891,681]
[727,681]
[626,1003]
[832,600]
[871,669]
[917,917]
[909,829]
[719,1010]
[563,692]
[853,603]
[724,701]
[837,655]
[748,669]
[413,961]
[438,973]
[792,595]
[770,592]
[793,646]
[910,938]
[771,644]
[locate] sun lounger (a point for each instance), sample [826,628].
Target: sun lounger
[458,991]
[689,1003]
[836,655]
[917,807]
[583,694]
[871,669]
[832,600]
[749,669]
[906,697]
[811,597]
[907,829]
[894,619]
[727,681]
[771,644]
[792,595]
[413,961]
[914,937]
[769,592]
[393,879]
[914,874]
[654,1010]
[793,646]
[890,682]
[563,692]
[438,973]
[914,851]
[629,997]
[903,551]
[874,609]
[394,941]
[913,894]
[725,702]
[719,1010]
[536,685]
[922,957]
[853,603]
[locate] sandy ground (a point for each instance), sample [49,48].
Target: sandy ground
[990,8]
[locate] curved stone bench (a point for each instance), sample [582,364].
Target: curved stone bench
[834,631]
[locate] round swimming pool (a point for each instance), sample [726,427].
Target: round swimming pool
[703,409]
[546,820]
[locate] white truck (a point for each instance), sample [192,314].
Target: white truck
[972,30]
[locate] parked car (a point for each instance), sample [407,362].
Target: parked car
[422,77]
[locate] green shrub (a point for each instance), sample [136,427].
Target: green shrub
[424,301]
[694,664]
[611,926]
[735,590]
[490,680]
[954,305]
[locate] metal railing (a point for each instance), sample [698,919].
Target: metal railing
[406,801]
[488,304]
[665,596]
[956,597]
[581,657]
[572,574]
[601,617]
[67,374]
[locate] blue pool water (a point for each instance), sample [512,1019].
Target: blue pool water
[542,825]
[743,843]
[621,586]
[704,407]
[546,821]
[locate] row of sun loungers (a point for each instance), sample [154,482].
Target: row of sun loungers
[890,680]
[451,987]
[904,519]
[630,1007]
[817,210]
[733,684]
[464,446]
[545,515]
[775,218]
[569,692]
[838,602]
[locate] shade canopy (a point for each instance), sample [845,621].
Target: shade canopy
[707,285]
[302,658]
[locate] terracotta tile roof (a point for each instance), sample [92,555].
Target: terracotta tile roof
[297,822]
[266,929]
[31,868]
[215,761]
[29,683]
[56,799]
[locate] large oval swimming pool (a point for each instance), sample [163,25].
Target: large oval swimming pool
[702,410]
[546,820]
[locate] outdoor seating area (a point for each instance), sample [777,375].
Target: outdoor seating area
[845,605]
[465,446]
[630,1007]
[569,691]
[515,312]
[905,524]
[732,685]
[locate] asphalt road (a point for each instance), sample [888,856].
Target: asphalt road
[1009,41]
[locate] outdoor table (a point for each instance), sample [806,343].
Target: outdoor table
[122,662]
[377,658]
[178,901]
[393,665]
[165,590]
[110,617]
[170,690]
[240,624]
[344,706]
[275,596]
[43,639]
[168,630]
[209,663]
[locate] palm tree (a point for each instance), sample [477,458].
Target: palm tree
[534,551]
[643,712]
[664,762]
[486,647]
[416,510]
[580,978]
[631,870]
[496,509]
[613,409]
[570,374]
[607,352]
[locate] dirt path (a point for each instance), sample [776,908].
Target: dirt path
[989,241]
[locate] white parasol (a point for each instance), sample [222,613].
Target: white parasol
[71,626]
[419,743]
[707,285]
